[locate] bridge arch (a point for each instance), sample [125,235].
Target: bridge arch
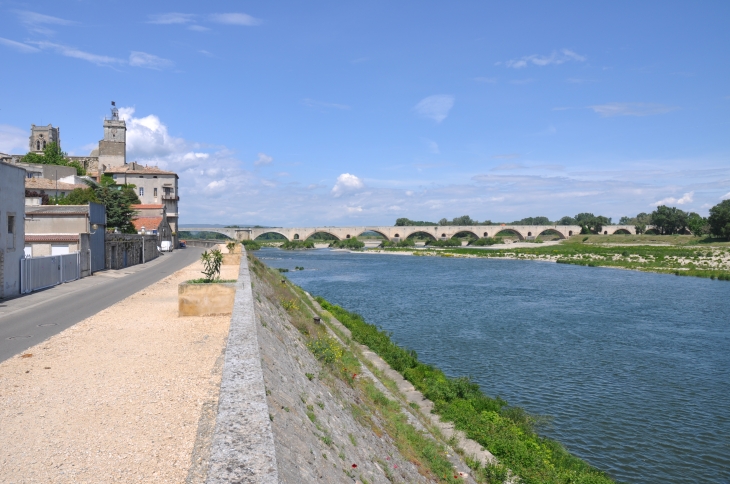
[622,231]
[552,232]
[510,231]
[259,237]
[380,233]
[420,233]
[321,232]
[463,233]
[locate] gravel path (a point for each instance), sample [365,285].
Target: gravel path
[115,398]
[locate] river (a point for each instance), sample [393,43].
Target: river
[633,368]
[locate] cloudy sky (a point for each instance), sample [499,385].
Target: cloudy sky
[332,113]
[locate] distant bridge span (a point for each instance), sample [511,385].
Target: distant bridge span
[399,233]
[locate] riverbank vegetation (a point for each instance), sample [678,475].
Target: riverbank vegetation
[694,258]
[352,243]
[297,244]
[251,244]
[507,432]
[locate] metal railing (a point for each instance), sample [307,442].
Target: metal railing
[42,272]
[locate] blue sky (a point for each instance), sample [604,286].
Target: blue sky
[333,113]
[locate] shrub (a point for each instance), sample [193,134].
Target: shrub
[352,243]
[212,261]
[297,244]
[444,243]
[487,241]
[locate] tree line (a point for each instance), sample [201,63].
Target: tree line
[666,221]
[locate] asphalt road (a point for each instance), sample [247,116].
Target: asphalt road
[31,319]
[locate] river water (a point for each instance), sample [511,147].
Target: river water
[633,368]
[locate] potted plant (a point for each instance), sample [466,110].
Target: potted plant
[208,295]
[233,257]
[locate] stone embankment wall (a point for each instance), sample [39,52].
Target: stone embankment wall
[285,417]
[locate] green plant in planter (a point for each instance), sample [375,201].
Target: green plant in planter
[231,246]
[212,261]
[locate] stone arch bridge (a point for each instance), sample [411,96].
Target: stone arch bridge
[523,232]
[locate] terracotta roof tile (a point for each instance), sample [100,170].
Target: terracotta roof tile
[51,237]
[149,223]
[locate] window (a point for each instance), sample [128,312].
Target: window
[38,145]
[11,232]
[44,144]
[155,194]
[141,191]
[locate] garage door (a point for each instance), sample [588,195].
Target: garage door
[59,249]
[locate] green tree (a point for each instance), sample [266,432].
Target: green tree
[668,220]
[697,224]
[405,222]
[566,221]
[79,196]
[591,223]
[719,219]
[118,200]
[52,155]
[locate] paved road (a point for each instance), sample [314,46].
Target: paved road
[28,320]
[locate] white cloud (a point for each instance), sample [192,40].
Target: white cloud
[19,46]
[555,58]
[171,18]
[143,59]
[100,60]
[263,159]
[347,183]
[13,139]
[725,197]
[435,107]
[631,109]
[686,198]
[198,28]
[311,103]
[136,59]
[36,22]
[235,19]
[148,138]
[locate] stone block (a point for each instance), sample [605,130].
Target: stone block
[205,299]
[231,259]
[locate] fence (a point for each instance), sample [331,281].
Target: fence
[41,272]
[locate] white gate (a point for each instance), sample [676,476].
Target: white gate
[41,272]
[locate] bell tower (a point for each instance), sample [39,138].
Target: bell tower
[113,148]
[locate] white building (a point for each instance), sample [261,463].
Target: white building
[12,230]
[153,186]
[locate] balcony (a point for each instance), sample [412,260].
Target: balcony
[170,197]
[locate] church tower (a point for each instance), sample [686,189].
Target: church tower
[113,148]
[40,136]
